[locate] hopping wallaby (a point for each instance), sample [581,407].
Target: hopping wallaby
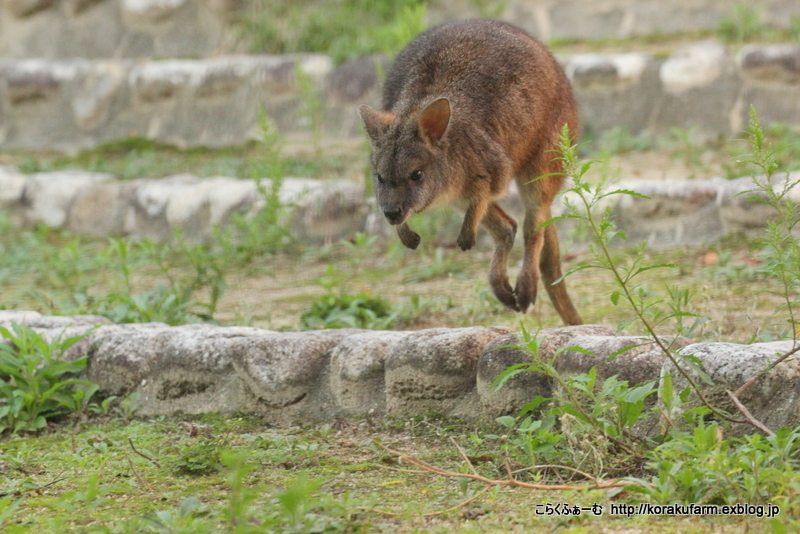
[466,106]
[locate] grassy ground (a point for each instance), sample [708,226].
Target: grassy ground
[195,474]
[234,474]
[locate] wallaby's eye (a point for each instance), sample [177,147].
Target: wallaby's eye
[416,176]
[380,179]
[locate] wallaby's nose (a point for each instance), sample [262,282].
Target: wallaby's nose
[393,216]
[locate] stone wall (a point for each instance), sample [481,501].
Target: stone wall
[307,377]
[116,28]
[200,28]
[72,104]
[676,213]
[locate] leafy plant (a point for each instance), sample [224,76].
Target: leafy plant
[781,250]
[341,29]
[742,23]
[36,383]
[349,311]
[201,458]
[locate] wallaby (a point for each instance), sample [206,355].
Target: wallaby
[466,106]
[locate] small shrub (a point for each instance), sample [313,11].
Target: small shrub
[743,23]
[202,458]
[36,385]
[341,29]
[349,311]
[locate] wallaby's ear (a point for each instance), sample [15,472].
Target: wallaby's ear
[375,121]
[434,120]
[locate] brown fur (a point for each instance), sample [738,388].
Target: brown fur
[466,107]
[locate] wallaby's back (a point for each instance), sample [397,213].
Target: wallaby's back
[499,78]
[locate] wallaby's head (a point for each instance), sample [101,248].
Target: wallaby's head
[408,157]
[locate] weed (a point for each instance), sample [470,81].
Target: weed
[36,384]
[619,140]
[202,458]
[349,311]
[781,250]
[341,29]
[742,23]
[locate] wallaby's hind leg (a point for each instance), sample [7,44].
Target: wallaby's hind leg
[550,264]
[503,228]
[533,239]
[542,255]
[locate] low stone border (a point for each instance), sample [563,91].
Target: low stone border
[70,104]
[677,212]
[298,377]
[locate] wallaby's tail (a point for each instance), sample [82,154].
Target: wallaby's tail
[550,267]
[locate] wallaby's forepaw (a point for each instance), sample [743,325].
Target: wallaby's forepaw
[502,290]
[466,240]
[408,237]
[525,293]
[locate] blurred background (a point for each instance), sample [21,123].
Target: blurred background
[217,144]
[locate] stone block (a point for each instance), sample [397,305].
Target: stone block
[502,352]
[288,372]
[357,379]
[195,373]
[50,195]
[121,360]
[24,8]
[774,399]
[435,371]
[637,359]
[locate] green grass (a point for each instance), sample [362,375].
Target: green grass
[339,28]
[143,158]
[125,476]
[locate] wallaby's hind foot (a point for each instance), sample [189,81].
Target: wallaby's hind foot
[503,228]
[526,290]
[502,290]
[408,237]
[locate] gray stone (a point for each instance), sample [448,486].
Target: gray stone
[701,87]
[12,186]
[326,210]
[676,213]
[104,209]
[771,63]
[357,372]
[695,65]
[88,334]
[30,80]
[18,316]
[23,8]
[120,361]
[189,204]
[774,399]
[609,71]
[285,371]
[435,370]
[152,10]
[63,321]
[195,374]
[49,195]
[502,352]
[355,79]
[641,362]
[614,92]
[91,107]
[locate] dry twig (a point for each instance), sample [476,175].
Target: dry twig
[143,455]
[428,514]
[511,481]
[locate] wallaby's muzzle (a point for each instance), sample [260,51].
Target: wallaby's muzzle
[394,216]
